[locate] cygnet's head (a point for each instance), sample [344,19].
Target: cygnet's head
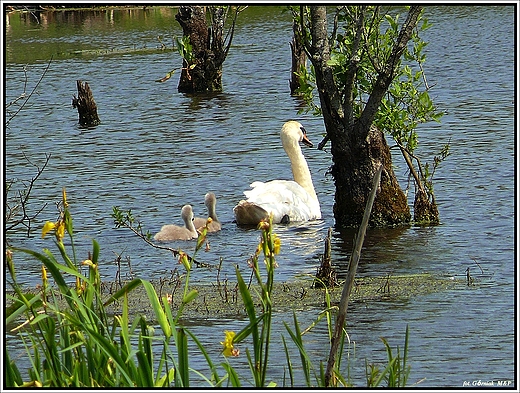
[210,199]
[187,213]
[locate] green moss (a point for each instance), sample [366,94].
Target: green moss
[215,301]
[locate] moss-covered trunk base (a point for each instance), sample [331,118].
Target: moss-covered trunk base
[354,166]
[425,212]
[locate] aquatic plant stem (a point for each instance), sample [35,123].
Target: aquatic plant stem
[351,273]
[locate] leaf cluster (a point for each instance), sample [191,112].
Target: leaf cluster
[361,42]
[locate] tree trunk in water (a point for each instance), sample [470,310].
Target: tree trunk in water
[87,108]
[425,212]
[206,75]
[358,147]
[299,59]
[354,166]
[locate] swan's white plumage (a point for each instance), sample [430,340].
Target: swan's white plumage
[287,200]
[210,200]
[175,232]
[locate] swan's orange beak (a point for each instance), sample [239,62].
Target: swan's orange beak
[306,140]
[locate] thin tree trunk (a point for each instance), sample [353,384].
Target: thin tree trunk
[299,59]
[425,212]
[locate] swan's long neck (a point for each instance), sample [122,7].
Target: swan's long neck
[300,169]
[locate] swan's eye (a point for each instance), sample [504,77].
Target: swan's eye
[303,130]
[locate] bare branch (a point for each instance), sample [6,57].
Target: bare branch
[231,31]
[30,94]
[23,200]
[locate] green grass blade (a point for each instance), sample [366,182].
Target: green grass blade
[206,355]
[13,377]
[251,313]
[95,251]
[51,266]
[289,364]
[233,376]
[246,297]
[183,364]
[162,319]
[297,339]
[19,306]
[110,349]
[145,372]
[382,375]
[126,289]
[64,255]
[166,378]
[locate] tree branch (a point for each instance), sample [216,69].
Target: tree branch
[385,78]
[23,196]
[348,107]
[329,94]
[231,31]
[23,95]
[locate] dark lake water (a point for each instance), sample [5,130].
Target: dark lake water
[157,150]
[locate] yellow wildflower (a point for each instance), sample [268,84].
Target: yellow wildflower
[277,244]
[44,282]
[60,230]
[49,226]
[58,227]
[263,225]
[64,196]
[78,286]
[88,262]
[229,350]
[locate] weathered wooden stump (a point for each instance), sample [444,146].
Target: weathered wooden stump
[87,108]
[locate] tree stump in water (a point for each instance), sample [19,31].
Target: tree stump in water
[87,108]
[326,274]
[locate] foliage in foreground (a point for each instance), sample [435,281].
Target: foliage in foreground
[80,344]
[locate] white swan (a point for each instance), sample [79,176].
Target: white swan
[287,200]
[211,202]
[175,232]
